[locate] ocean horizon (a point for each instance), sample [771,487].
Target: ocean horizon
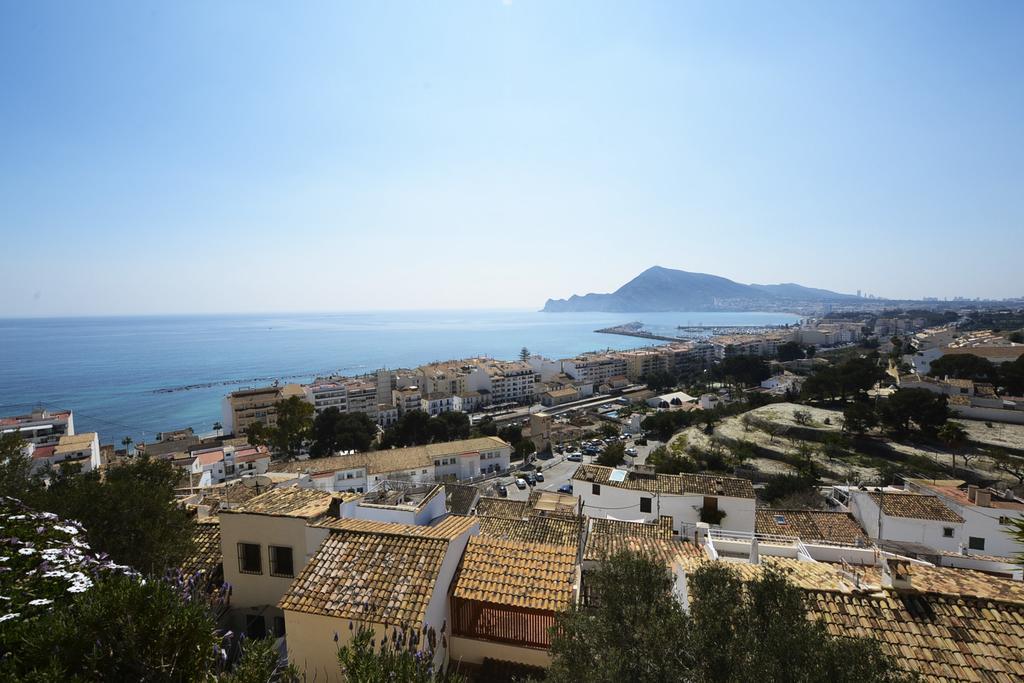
[135,375]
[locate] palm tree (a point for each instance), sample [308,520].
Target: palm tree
[126,442]
[217,426]
[954,436]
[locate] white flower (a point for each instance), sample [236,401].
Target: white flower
[78,588]
[39,602]
[25,551]
[56,573]
[7,617]
[68,529]
[4,558]
[18,517]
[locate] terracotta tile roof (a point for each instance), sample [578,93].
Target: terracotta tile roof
[937,637]
[915,506]
[460,498]
[373,571]
[517,574]
[678,484]
[206,554]
[502,507]
[607,537]
[954,582]
[395,459]
[811,525]
[210,457]
[548,530]
[450,527]
[290,501]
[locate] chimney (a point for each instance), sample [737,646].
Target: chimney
[896,574]
[972,492]
[983,499]
[755,556]
[700,534]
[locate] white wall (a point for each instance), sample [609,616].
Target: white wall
[620,503]
[926,532]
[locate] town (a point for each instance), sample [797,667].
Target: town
[464,510]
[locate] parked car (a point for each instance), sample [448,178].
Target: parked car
[521,483]
[575,457]
[502,490]
[531,479]
[540,476]
[631,451]
[565,488]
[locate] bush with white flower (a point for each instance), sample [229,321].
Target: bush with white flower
[44,560]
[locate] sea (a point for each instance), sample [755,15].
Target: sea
[136,376]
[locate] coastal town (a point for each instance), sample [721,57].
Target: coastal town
[877,460]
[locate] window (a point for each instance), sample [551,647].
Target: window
[1005,521]
[947,532]
[976,543]
[249,558]
[278,627]
[281,561]
[596,489]
[645,505]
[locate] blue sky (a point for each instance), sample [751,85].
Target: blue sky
[227,157]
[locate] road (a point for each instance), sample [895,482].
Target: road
[558,472]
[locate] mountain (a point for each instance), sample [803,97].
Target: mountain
[790,290]
[665,289]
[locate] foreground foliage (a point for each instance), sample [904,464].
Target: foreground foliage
[636,630]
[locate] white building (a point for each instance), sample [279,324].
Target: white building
[78,449]
[596,369]
[988,514]
[640,494]
[435,404]
[891,514]
[216,465]
[361,472]
[40,427]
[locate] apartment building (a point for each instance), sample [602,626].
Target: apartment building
[673,358]
[360,472]
[435,404]
[595,368]
[642,494]
[242,408]
[41,427]
[324,394]
[407,399]
[766,345]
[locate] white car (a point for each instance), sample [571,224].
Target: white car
[521,483]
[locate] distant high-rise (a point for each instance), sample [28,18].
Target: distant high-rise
[858,293]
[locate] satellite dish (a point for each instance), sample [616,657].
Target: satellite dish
[257,482]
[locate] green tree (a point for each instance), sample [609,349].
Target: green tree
[660,380]
[665,423]
[834,445]
[743,370]
[964,366]
[403,656]
[633,630]
[524,354]
[954,436]
[335,431]
[789,351]
[613,455]
[129,512]
[927,410]
[16,478]
[665,461]
[1011,377]
[524,448]
[609,430]
[294,423]
[759,630]
[859,417]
